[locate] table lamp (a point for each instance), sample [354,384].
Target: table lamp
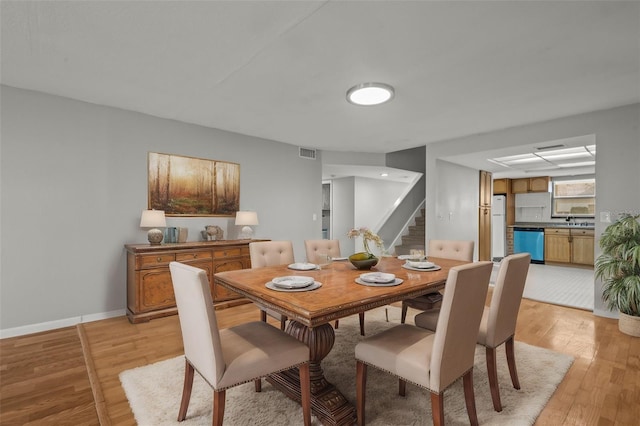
[246,219]
[153,219]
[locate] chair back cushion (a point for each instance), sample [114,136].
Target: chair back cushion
[505,301]
[455,339]
[271,253]
[200,335]
[332,247]
[451,249]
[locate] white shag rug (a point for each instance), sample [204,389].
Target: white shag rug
[154,390]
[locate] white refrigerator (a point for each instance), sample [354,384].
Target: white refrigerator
[498,227]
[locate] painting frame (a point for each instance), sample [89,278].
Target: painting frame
[192,187]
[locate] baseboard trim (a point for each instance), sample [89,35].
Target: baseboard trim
[52,325]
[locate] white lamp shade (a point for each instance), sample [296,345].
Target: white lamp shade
[246,218]
[153,219]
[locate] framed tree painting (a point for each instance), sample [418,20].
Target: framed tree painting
[187,186]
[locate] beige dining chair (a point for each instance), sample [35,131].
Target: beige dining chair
[271,253]
[499,319]
[427,359]
[332,247]
[446,249]
[233,356]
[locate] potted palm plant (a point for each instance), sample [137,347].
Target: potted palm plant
[619,269]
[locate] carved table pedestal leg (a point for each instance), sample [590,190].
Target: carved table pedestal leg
[327,403]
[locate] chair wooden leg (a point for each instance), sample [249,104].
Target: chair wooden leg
[511,361]
[361,315]
[305,391]
[402,387]
[361,385]
[492,371]
[186,390]
[437,408]
[258,385]
[403,316]
[263,315]
[336,325]
[469,397]
[218,407]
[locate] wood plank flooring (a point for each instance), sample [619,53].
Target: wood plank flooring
[44,381]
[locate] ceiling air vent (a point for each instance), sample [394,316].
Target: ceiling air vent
[308,153]
[542,148]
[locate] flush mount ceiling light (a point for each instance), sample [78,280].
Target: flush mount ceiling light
[368,94]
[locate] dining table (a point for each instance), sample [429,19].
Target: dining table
[338,291]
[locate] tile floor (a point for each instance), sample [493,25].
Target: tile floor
[560,285]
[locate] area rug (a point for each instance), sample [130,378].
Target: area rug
[154,390]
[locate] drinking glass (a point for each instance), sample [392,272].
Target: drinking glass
[323,259]
[417,254]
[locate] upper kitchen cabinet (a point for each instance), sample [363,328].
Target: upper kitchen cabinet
[485,189]
[501,186]
[534,184]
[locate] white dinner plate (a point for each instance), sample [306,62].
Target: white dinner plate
[435,268]
[421,265]
[292,281]
[377,277]
[272,286]
[397,281]
[303,266]
[339,258]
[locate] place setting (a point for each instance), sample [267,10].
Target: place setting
[420,265]
[303,266]
[293,283]
[378,279]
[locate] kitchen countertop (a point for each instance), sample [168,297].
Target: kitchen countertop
[551,225]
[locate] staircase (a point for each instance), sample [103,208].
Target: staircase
[415,238]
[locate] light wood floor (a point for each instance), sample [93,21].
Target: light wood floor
[44,381]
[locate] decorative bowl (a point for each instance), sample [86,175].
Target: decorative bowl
[363,260]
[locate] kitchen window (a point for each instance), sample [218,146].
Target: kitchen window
[574,197]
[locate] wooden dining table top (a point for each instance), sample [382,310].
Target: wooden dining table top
[340,295]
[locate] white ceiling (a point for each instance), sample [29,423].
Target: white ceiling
[280,70]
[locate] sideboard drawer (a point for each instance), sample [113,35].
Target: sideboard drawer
[227,252]
[194,255]
[154,260]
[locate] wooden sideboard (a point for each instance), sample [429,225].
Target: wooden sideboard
[149,288]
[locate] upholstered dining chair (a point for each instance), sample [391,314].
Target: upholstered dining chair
[271,253]
[432,361]
[332,247]
[446,249]
[499,319]
[233,356]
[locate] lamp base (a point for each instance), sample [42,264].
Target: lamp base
[155,236]
[246,233]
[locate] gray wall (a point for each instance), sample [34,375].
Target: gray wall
[617,133]
[73,185]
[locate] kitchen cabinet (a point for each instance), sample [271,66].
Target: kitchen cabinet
[501,186]
[484,216]
[534,184]
[568,245]
[149,287]
[582,246]
[557,245]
